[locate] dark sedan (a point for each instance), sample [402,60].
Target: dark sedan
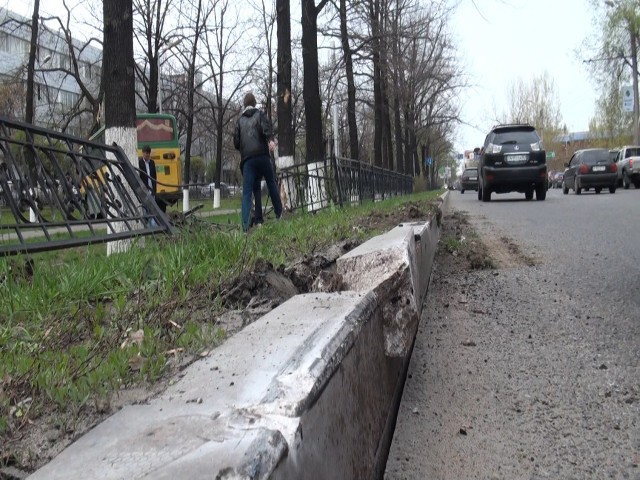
[590,168]
[469,179]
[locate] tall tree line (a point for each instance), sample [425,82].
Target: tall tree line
[394,78]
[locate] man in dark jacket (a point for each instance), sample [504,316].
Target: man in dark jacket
[254,138]
[148,174]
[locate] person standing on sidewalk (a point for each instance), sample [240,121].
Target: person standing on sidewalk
[148,175]
[254,138]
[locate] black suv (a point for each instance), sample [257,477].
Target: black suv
[512,160]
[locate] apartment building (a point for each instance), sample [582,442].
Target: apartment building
[58,99]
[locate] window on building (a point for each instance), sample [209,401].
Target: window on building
[66,99]
[4,46]
[17,46]
[65,62]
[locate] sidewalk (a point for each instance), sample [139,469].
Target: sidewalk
[81,228]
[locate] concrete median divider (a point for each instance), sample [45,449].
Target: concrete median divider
[310,390]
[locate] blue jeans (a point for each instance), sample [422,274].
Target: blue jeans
[253,171]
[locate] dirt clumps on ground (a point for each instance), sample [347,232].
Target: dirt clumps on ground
[466,250]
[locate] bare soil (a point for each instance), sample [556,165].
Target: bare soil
[245,298]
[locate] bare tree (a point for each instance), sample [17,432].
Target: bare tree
[351,87]
[91,93]
[223,53]
[150,25]
[535,102]
[194,15]
[616,62]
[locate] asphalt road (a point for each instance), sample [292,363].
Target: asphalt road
[530,370]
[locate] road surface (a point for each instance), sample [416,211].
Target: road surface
[530,369]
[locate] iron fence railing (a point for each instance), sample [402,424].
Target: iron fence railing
[338,181]
[59,191]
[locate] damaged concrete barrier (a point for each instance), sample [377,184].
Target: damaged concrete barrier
[309,390]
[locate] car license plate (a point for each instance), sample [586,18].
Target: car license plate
[473,178]
[516,158]
[599,168]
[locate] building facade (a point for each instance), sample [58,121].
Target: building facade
[59,102]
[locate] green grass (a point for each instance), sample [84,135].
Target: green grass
[83,324]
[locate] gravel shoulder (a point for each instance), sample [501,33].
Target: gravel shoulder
[514,375]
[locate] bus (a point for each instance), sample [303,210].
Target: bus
[160,132]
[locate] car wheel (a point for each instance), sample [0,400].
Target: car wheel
[612,188]
[598,189]
[479,192]
[626,183]
[565,189]
[541,192]
[576,186]
[529,194]
[462,190]
[486,194]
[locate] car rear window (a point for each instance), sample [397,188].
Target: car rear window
[632,152]
[595,156]
[515,136]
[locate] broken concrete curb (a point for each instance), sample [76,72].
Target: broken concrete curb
[317,378]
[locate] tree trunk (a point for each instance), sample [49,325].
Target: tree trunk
[286,132]
[311,88]
[219,113]
[286,137]
[191,76]
[119,98]
[374,12]
[30,110]
[351,86]
[387,134]
[634,75]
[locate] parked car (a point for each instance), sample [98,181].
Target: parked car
[208,190]
[628,162]
[557,180]
[469,180]
[512,160]
[590,168]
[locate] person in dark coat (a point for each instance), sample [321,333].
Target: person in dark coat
[254,138]
[148,174]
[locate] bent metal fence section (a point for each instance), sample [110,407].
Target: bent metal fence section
[59,191]
[338,181]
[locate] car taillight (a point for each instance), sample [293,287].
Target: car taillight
[492,148]
[584,168]
[536,147]
[614,167]
[631,163]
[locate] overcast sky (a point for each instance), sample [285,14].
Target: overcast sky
[501,41]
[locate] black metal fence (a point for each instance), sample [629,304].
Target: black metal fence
[59,191]
[338,181]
